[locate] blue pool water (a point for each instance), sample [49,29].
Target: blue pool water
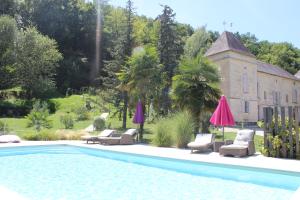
[70,173]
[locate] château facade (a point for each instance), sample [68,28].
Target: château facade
[249,84]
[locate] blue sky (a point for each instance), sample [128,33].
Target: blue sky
[273,20]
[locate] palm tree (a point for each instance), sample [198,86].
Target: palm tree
[141,77]
[196,87]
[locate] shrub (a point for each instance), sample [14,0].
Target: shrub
[15,107]
[99,123]
[67,121]
[64,134]
[44,135]
[163,136]
[38,116]
[2,126]
[82,113]
[184,128]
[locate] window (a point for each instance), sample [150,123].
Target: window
[287,98]
[246,107]
[265,95]
[245,82]
[275,98]
[295,96]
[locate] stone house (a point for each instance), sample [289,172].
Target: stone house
[250,84]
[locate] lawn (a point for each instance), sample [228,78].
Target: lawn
[63,106]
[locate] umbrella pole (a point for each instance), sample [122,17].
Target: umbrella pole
[223,132]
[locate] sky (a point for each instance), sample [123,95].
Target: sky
[272,20]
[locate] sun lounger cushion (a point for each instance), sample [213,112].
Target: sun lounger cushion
[9,138]
[203,138]
[203,141]
[106,133]
[243,137]
[131,131]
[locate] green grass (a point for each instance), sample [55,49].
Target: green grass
[64,105]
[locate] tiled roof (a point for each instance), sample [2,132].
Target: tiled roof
[274,70]
[227,41]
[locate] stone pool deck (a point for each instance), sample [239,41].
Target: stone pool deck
[257,161]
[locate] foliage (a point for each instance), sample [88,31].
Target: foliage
[44,135]
[163,135]
[279,144]
[184,129]
[199,42]
[99,123]
[38,116]
[282,54]
[3,126]
[67,121]
[195,87]
[8,34]
[15,107]
[82,113]
[37,60]
[169,51]
[142,79]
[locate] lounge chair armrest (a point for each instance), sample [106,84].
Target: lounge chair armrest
[251,148]
[228,142]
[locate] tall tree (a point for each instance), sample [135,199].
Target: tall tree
[196,87]
[72,23]
[198,43]
[169,51]
[8,38]
[142,79]
[128,47]
[36,63]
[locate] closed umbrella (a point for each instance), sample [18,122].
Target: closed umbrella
[139,117]
[222,115]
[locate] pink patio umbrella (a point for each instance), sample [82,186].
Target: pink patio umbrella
[139,117]
[222,115]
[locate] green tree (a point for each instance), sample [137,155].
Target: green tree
[8,35]
[38,116]
[128,47]
[169,51]
[283,54]
[72,23]
[142,79]
[196,87]
[198,43]
[36,63]
[8,7]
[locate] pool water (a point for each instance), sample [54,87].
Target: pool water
[69,173]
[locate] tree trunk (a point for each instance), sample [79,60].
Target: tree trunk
[141,132]
[125,106]
[197,122]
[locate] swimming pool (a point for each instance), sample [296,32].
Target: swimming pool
[70,172]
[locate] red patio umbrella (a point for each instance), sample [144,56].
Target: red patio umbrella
[222,115]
